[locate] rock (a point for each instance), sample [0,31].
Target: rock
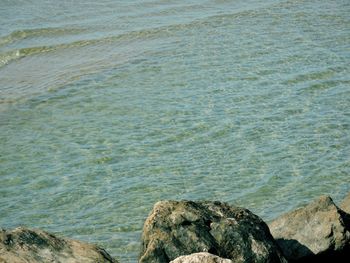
[320,228]
[202,257]
[23,245]
[176,228]
[345,204]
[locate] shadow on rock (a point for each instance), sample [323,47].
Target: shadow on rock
[318,231]
[333,256]
[296,249]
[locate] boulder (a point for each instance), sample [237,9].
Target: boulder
[176,228]
[317,231]
[23,245]
[345,204]
[202,257]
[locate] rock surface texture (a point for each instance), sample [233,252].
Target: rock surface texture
[202,257]
[23,245]
[345,205]
[176,228]
[318,231]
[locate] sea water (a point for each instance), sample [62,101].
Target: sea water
[107,107]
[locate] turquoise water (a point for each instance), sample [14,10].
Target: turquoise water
[109,106]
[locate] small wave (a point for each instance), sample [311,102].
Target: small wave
[7,57]
[19,35]
[325,85]
[10,56]
[310,76]
[143,34]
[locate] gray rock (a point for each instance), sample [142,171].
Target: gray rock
[23,245]
[345,204]
[312,233]
[202,257]
[176,228]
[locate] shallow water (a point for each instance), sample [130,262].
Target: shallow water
[107,107]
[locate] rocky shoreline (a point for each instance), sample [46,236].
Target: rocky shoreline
[206,232]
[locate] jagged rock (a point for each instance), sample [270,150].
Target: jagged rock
[23,245]
[202,257]
[318,231]
[345,204]
[176,228]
